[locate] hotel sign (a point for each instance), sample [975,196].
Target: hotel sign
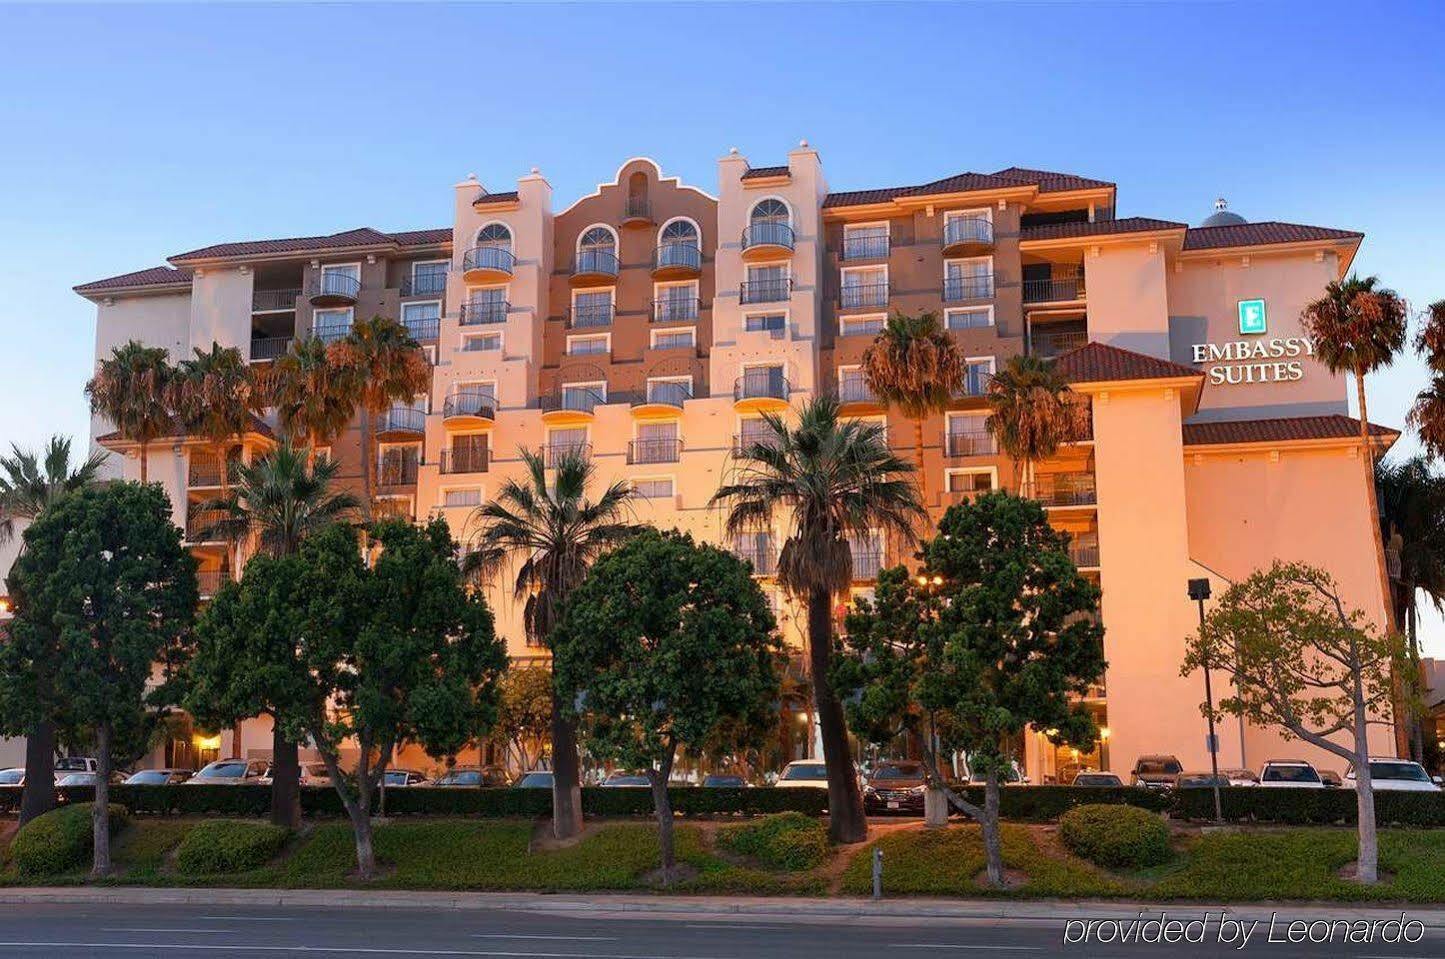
[1252,317]
[1254,360]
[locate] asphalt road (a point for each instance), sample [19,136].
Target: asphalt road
[133,932]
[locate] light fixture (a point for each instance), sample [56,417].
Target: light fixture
[1104,733]
[208,742]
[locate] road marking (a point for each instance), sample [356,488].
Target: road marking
[325,950]
[952,945]
[724,924]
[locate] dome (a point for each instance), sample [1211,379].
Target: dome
[1222,216]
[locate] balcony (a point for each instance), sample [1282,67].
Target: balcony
[742,444]
[589,315]
[423,330]
[264,349]
[661,400]
[330,288]
[1084,550]
[975,383]
[595,268]
[767,239]
[488,264]
[864,248]
[274,301]
[331,332]
[210,581]
[676,309]
[397,471]
[201,526]
[866,563]
[761,391]
[401,424]
[962,289]
[863,296]
[969,443]
[1047,345]
[465,460]
[553,455]
[1066,489]
[855,398]
[204,472]
[676,261]
[637,212]
[395,507]
[967,235]
[762,557]
[1062,287]
[643,452]
[766,291]
[465,409]
[481,312]
[424,284]
[570,405]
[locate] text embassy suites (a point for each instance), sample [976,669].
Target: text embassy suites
[652,323]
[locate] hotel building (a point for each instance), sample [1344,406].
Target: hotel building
[650,323]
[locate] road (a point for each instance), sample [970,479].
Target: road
[84,931]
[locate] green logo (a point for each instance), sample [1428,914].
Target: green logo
[1251,316]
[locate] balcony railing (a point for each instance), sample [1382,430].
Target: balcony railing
[495,259]
[204,471]
[599,262]
[269,348]
[856,391]
[572,399]
[667,394]
[967,229]
[1060,288]
[210,581]
[970,443]
[465,460]
[865,247]
[768,233]
[397,471]
[675,309]
[756,386]
[402,419]
[1066,489]
[741,444]
[478,403]
[1084,550]
[975,382]
[330,283]
[274,301]
[424,284]
[654,451]
[637,208]
[200,525]
[1050,345]
[479,312]
[590,315]
[766,291]
[331,332]
[677,255]
[863,295]
[554,454]
[957,289]
[867,563]
[423,330]
[763,557]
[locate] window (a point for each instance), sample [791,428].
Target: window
[862,325]
[977,373]
[967,226]
[867,551]
[852,387]
[673,390]
[763,381]
[969,482]
[770,210]
[653,488]
[756,548]
[422,319]
[674,339]
[675,303]
[481,342]
[331,325]
[588,345]
[755,430]
[397,465]
[453,498]
[427,277]
[597,251]
[968,279]
[583,396]
[767,284]
[968,435]
[468,454]
[678,245]
[597,239]
[864,287]
[494,236]
[768,225]
[867,241]
[765,322]
[337,273]
[969,319]
[561,442]
[592,308]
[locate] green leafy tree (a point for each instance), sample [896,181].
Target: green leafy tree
[525,715]
[131,388]
[1301,660]
[105,579]
[998,634]
[664,643]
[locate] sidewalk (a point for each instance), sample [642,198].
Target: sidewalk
[780,909]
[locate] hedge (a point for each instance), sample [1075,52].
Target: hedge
[1115,836]
[59,840]
[1048,803]
[787,840]
[1306,807]
[229,845]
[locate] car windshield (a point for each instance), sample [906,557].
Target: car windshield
[11,777]
[396,779]
[1158,767]
[806,771]
[1398,772]
[626,780]
[1290,774]
[1096,780]
[70,763]
[223,771]
[148,777]
[536,781]
[77,779]
[723,781]
[471,778]
[898,771]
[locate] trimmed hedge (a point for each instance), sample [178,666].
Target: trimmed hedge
[789,840]
[229,845]
[1310,807]
[1116,836]
[59,840]
[1048,803]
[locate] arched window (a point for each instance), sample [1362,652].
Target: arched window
[679,231]
[771,210]
[598,239]
[495,236]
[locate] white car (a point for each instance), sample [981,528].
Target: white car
[315,774]
[230,772]
[802,773]
[1396,775]
[1290,774]
[76,764]
[14,776]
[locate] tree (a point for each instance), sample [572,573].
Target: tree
[130,389]
[356,657]
[1034,412]
[1427,416]
[915,365]
[525,714]
[551,532]
[1302,661]
[388,367]
[215,394]
[315,398]
[661,645]
[1008,639]
[278,501]
[105,579]
[31,483]
[829,480]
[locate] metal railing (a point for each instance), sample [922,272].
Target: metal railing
[269,347]
[200,524]
[863,295]
[975,381]
[677,254]
[768,233]
[1084,550]
[637,208]
[600,262]
[423,329]
[394,507]
[967,229]
[331,283]
[210,581]
[402,419]
[763,557]
[479,312]
[969,443]
[397,471]
[424,284]
[1049,345]
[766,291]
[478,403]
[675,309]
[741,444]
[1066,489]
[572,399]
[763,385]
[865,247]
[274,301]
[465,460]
[959,288]
[593,314]
[553,454]
[1063,287]
[856,391]
[497,259]
[331,332]
[867,563]
[206,471]
[667,394]
[654,451]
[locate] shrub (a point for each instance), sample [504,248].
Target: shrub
[1310,807]
[228,845]
[789,840]
[1114,835]
[1048,803]
[59,840]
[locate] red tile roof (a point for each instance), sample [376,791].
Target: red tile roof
[423,237]
[761,172]
[258,425]
[1049,181]
[1100,363]
[483,198]
[1261,234]
[359,237]
[1131,224]
[1221,432]
[155,276]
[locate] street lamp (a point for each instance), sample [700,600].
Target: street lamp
[1199,592]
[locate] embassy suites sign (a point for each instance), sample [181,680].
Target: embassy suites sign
[1256,358]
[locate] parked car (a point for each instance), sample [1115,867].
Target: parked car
[86,779]
[1240,777]
[897,786]
[1290,774]
[1156,772]
[315,774]
[476,777]
[76,764]
[1091,778]
[724,781]
[1011,777]
[1396,775]
[1331,779]
[233,772]
[402,777]
[1200,780]
[12,777]
[620,780]
[536,779]
[159,777]
[803,772]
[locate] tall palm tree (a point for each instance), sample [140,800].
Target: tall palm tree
[30,483]
[215,393]
[551,534]
[390,368]
[315,398]
[1034,411]
[278,501]
[828,480]
[915,365]
[1427,416]
[131,389]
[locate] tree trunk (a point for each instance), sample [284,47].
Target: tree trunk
[285,781]
[38,795]
[144,462]
[662,808]
[918,462]
[366,464]
[100,809]
[847,822]
[1367,864]
[992,844]
[1417,732]
[361,826]
[566,774]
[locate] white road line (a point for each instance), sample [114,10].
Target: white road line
[953,945]
[325,950]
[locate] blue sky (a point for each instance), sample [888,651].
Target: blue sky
[131,133]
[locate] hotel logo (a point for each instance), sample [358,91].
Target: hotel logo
[1252,317]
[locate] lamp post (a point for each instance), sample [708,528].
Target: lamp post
[1199,592]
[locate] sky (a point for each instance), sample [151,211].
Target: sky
[131,133]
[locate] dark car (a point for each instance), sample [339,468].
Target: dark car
[1156,772]
[1202,780]
[159,777]
[626,781]
[477,778]
[403,777]
[536,779]
[1091,778]
[897,786]
[724,781]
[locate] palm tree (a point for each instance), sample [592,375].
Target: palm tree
[31,482]
[131,390]
[315,399]
[915,365]
[1034,411]
[390,367]
[215,394]
[278,501]
[829,480]
[1427,416]
[551,533]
